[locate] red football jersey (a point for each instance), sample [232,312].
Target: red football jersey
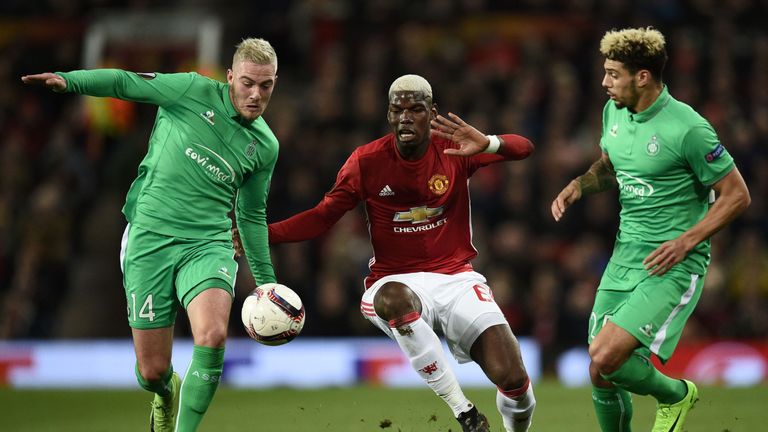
[418,211]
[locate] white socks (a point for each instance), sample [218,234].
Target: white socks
[423,348]
[516,407]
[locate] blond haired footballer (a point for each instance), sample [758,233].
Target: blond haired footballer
[209,147]
[668,165]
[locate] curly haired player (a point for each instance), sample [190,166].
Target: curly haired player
[667,163]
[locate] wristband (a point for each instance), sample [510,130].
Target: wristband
[493,145]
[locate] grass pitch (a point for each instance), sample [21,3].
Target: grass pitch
[359,409]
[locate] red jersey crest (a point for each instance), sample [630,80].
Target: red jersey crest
[438,184]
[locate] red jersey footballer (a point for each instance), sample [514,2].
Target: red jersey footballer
[418,210]
[414,184]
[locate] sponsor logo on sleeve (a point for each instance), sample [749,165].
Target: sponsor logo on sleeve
[716,153]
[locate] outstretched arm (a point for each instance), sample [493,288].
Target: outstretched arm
[472,142]
[48,79]
[733,198]
[300,227]
[344,196]
[598,178]
[303,226]
[155,88]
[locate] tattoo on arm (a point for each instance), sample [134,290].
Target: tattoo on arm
[598,178]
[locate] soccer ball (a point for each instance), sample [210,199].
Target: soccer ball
[273,314]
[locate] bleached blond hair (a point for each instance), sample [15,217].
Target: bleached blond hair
[255,50]
[636,48]
[412,83]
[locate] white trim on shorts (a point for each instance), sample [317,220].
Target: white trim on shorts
[123,246]
[661,335]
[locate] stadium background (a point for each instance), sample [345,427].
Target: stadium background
[529,67]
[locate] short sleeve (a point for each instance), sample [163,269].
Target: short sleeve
[706,155]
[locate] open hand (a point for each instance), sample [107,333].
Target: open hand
[48,79]
[665,257]
[470,140]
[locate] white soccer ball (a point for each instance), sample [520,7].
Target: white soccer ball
[273,314]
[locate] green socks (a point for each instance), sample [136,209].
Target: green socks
[613,407]
[199,386]
[639,376]
[161,386]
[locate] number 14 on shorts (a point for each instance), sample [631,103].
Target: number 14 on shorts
[145,311]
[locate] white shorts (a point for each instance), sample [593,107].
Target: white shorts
[461,306]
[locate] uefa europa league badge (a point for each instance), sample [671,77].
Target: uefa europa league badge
[652,148]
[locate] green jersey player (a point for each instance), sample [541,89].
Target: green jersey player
[209,147]
[667,163]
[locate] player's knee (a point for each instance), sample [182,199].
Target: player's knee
[512,381]
[596,378]
[153,369]
[604,360]
[394,300]
[506,375]
[214,336]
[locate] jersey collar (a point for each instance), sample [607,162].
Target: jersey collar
[654,109]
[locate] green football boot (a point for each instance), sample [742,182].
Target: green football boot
[162,418]
[670,417]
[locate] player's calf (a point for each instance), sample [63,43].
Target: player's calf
[516,407]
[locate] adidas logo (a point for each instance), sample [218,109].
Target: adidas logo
[386,191]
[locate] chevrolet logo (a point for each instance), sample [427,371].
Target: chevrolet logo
[418,214]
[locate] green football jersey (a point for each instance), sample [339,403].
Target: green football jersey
[666,159]
[202,156]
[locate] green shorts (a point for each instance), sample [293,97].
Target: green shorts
[160,273]
[653,309]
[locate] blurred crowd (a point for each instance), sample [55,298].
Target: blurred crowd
[528,67]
